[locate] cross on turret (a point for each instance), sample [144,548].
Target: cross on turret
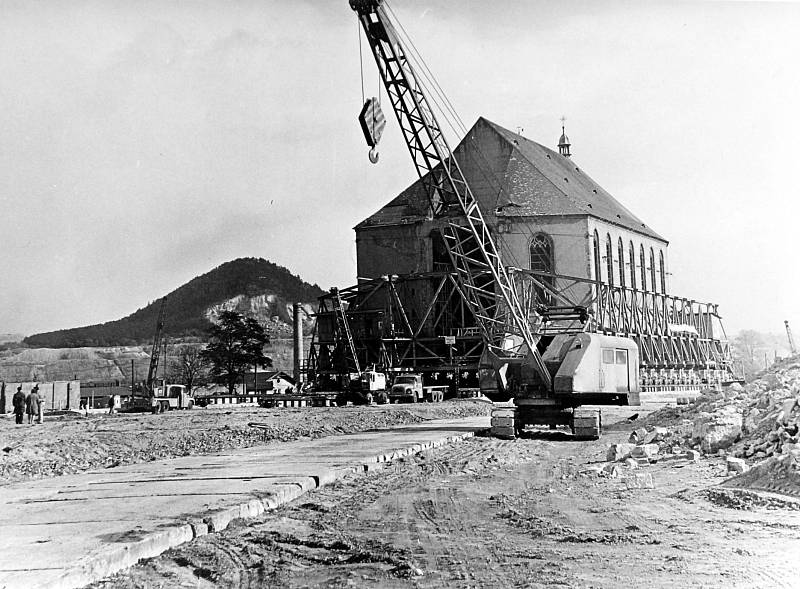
[563,142]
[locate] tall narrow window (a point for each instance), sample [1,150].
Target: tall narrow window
[643,267]
[653,282]
[596,249]
[621,257]
[632,258]
[542,253]
[662,271]
[609,260]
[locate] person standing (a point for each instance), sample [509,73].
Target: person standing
[41,405]
[113,404]
[32,403]
[19,404]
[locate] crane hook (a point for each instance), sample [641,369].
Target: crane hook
[373,155]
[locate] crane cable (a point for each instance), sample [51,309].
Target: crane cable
[360,60]
[439,99]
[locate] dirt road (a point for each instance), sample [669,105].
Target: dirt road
[73,443]
[493,513]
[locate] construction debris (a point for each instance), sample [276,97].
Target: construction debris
[755,425]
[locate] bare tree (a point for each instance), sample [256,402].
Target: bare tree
[189,367]
[746,347]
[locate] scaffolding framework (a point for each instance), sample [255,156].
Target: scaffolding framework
[421,323]
[681,341]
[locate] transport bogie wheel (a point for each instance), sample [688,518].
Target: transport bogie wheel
[504,423]
[586,424]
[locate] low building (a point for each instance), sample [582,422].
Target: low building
[255,384]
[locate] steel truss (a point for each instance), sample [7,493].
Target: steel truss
[415,323]
[400,323]
[484,283]
[681,341]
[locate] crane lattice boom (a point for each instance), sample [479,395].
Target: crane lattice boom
[483,279]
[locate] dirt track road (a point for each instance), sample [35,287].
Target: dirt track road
[493,513]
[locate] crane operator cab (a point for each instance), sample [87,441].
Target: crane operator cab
[594,369]
[587,369]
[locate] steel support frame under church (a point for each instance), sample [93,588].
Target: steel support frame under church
[419,322]
[682,342]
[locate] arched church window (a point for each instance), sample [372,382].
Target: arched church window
[609,260]
[643,266]
[662,272]
[542,253]
[541,250]
[621,257]
[632,259]
[653,282]
[596,248]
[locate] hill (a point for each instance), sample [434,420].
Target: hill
[253,286]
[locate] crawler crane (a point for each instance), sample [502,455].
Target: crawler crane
[163,397]
[550,378]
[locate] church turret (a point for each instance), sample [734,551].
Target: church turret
[563,142]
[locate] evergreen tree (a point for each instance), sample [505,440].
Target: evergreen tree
[235,343]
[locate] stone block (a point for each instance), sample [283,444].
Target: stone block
[718,430]
[736,465]
[637,436]
[693,455]
[631,463]
[639,480]
[617,452]
[645,451]
[787,408]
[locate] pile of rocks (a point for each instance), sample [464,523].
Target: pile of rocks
[755,424]
[647,445]
[755,421]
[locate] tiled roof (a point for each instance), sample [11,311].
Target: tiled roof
[516,177]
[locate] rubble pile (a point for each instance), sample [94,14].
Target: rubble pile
[646,445]
[747,424]
[755,421]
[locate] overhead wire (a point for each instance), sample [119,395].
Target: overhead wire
[423,69]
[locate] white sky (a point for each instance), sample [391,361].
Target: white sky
[146,142]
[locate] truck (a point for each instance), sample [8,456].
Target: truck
[409,388]
[364,388]
[167,397]
[162,396]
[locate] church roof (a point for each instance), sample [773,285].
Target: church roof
[513,176]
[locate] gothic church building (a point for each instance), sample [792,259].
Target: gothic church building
[545,213]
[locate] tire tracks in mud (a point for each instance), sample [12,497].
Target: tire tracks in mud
[441,519]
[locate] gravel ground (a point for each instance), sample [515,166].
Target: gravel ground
[73,443]
[496,513]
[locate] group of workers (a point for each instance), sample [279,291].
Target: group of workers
[31,404]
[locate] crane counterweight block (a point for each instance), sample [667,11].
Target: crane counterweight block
[372,121]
